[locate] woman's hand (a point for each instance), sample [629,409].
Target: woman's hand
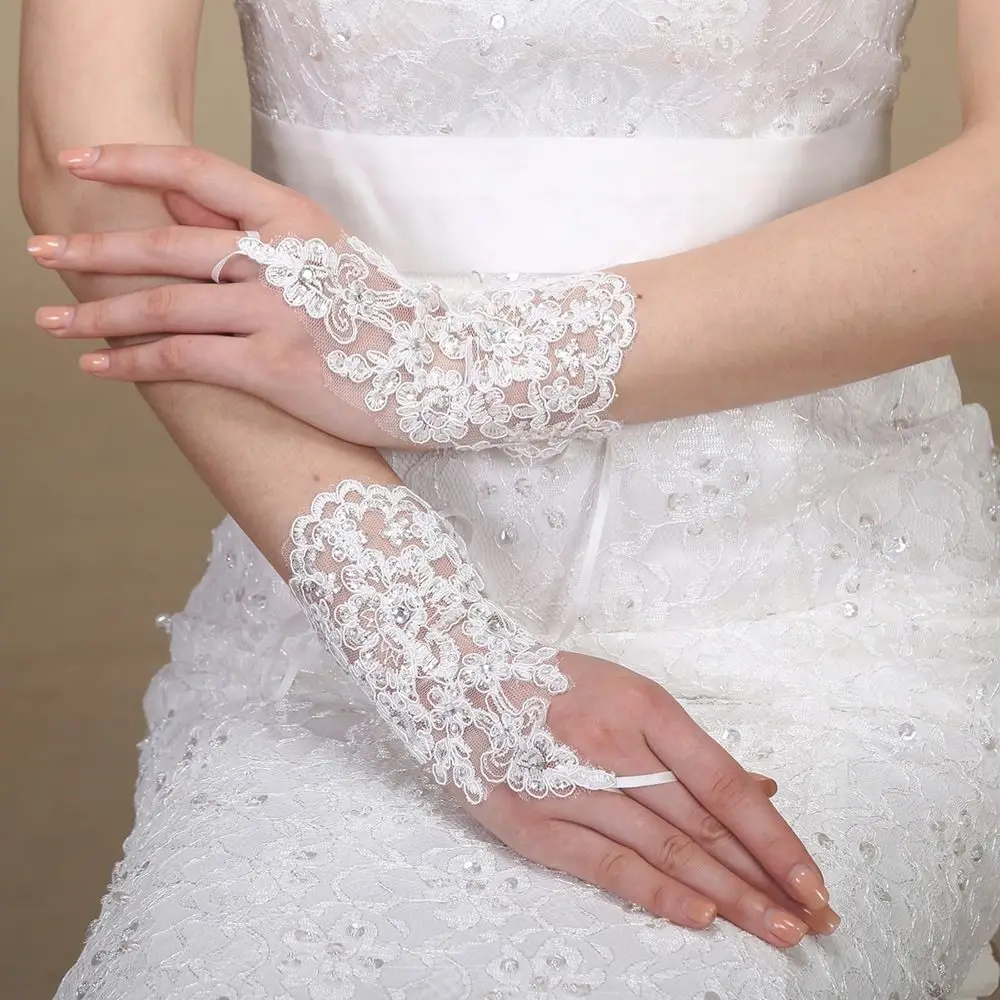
[323,327]
[239,334]
[710,843]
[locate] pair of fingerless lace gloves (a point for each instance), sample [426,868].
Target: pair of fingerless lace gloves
[384,580]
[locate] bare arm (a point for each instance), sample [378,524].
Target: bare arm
[890,274]
[114,70]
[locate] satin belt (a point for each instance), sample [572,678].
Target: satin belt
[452,204]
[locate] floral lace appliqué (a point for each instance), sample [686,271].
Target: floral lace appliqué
[524,367]
[393,596]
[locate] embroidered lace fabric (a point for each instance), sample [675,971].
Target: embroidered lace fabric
[523,367]
[817,581]
[291,848]
[627,68]
[387,586]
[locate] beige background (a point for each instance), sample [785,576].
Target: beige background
[104,526]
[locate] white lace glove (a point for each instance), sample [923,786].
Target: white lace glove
[523,366]
[389,588]
[309,324]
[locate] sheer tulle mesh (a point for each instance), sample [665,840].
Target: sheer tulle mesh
[389,589]
[524,366]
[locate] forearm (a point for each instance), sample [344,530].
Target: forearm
[102,71]
[896,272]
[263,466]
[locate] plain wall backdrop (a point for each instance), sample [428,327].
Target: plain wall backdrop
[104,526]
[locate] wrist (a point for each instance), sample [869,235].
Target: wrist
[388,587]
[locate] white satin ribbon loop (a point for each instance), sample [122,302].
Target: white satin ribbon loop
[644,780]
[217,270]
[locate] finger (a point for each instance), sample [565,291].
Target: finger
[728,793]
[627,822]
[163,309]
[770,785]
[188,212]
[677,806]
[222,361]
[215,183]
[177,251]
[580,851]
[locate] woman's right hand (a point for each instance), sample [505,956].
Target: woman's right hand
[709,844]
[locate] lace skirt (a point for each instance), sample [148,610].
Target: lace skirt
[286,847]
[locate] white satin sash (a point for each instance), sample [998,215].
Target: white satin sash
[452,204]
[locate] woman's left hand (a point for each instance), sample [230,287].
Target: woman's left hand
[238,334]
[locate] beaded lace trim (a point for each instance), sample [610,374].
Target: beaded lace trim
[389,589]
[523,367]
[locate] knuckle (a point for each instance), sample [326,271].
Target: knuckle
[175,355]
[662,900]
[159,303]
[728,788]
[674,852]
[193,159]
[749,903]
[163,241]
[92,318]
[711,833]
[88,246]
[299,205]
[611,866]
[639,693]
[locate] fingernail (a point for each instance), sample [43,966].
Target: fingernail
[55,317]
[808,887]
[46,246]
[699,913]
[95,362]
[785,927]
[826,922]
[86,157]
[770,785]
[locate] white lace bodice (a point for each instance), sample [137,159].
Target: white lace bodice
[742,513]
[575,67]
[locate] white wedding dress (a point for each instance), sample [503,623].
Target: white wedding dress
[815,580]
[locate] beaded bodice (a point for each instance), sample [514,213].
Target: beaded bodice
[736,514]
[574,67]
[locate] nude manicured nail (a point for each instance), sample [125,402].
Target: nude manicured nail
[769,784]
[699,913]
[826,922]
[95,362]
[808,887]
[79,157]
[785,927]
[55,317]
[46,246]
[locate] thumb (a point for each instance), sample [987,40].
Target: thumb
[188,212]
